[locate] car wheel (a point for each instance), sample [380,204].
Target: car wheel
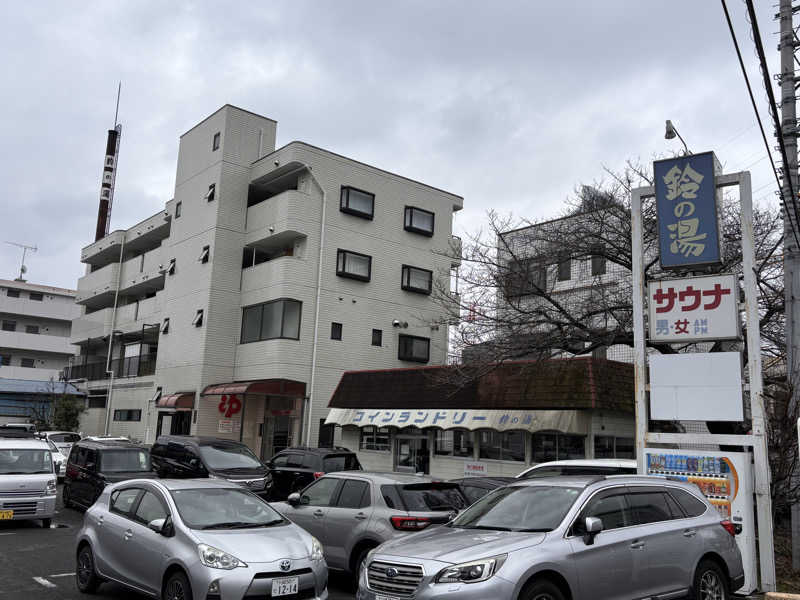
[85,576]
[710,582]
[65,494]
[46,523]
[177,587]
[541,590]
[359,563]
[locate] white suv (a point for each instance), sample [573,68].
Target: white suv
[593,466]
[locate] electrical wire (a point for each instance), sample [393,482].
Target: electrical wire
[755,110]
[787,174]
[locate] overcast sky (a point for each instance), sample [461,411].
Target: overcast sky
[509,104]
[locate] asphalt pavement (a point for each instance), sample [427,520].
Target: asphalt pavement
[39,564]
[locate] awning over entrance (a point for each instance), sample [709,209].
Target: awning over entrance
[565,421]
[179,401]
[269,387]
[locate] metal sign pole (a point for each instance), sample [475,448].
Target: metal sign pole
[640,358]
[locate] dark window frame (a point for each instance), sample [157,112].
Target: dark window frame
[27,363]
[32,329]
[12,293]
[178,206]
[5,360]
[8,325]
[502,436]
[129,414]
[344,203]
[368,438]
[564,268]
[405,280]
[211,193]
[599,261]
[411,358]
[558,437]
[525,277]
[379,337]
[36,296]
[215,141]
[336,331]
[283,321]
[408,221]
[342,272]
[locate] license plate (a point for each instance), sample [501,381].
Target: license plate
[284,586]
[386,598]
[6,514]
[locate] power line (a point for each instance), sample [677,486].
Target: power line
[755,108]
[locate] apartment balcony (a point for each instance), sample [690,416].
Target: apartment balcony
[455,251]
[285,269]
[142,237]
[140,275]
[29,374]
[130,317]
[288,213]
[64,311]
[133,366]
[104,250]
[16,340]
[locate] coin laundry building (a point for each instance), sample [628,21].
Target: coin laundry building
[449,421]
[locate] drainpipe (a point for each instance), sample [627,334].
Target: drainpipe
[111,337]
[310,394]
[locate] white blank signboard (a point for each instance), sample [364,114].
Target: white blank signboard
[700,386]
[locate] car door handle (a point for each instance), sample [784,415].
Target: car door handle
[690,533]
[128,535]
[319,513]
[361,516]
[637,544]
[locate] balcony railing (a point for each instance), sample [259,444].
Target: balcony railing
[133,366]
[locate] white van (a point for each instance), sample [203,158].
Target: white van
[27,480]
[586,466]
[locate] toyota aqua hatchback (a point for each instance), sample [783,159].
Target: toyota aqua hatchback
[576,538]
[206,539]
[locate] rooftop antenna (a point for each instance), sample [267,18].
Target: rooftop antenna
[22,268]
[109,174]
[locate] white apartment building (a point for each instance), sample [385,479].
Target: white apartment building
[35,322]
[235,310]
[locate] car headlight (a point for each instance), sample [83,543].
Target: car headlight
[471,572]
[217,559]
[316,550]
[50,490]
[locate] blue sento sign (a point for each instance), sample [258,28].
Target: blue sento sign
[688,232]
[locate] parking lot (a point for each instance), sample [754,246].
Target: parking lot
[39,563]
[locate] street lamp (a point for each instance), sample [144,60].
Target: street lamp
[671,133]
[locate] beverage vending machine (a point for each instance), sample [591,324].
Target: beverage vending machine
[726,479]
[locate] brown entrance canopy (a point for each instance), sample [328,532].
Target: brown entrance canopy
[269,387]
[179,401]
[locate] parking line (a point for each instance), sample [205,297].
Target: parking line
[61,575]
[9,533]
[44,582]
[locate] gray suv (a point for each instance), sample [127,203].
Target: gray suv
[352,512]
[579,538]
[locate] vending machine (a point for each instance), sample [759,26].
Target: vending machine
[726,479]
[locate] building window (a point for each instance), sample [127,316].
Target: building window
[165,325]
[28,363]
[204,254]
[565,268]
[38,296]
[353,265]
[414,348]
[417,280]
[271,320]
[609,446]
[525,276]
[357,202]
[5,360]
[96,402]
[178,209]
[454,442]
[336,331]
[198,318]
[374,438]
[598,261]
[31,329]
[557,446]
[210,193]
[12,293]
[377,337]
[501,445]
[171,267]
[128,414]
[418,220]
[9,325]
[215,142]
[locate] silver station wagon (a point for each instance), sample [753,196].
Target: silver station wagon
[579,538]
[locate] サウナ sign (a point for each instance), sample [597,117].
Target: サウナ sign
[694,308]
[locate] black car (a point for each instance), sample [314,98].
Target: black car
[294,468]
[475,488]
[93,465]
[184,456]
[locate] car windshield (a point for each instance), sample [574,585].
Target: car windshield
[65,438]
[519,508]
[432,496]
[340,462]
[25,461]
[224,508]
[228,456]
[53,447]
[128,461]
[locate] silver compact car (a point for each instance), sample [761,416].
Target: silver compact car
[581,538]
[196,538]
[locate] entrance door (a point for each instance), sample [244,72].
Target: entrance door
[174,423]
[277,435]
[164,426]
[411,454]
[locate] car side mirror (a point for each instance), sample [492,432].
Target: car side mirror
[294,499]
[592,526]
[157,525]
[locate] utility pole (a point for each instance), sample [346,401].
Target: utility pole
[22,268]
[791,258]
